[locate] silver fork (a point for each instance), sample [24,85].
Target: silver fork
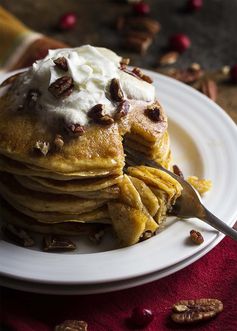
[188,205]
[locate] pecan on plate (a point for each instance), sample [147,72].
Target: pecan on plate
[61,63]
[116,91]
[56,243]
[146,235]
[138,72]
[153,112]
[122,109]
[190,311]
[62,87]
[196,237]
[71,325]
[17,235]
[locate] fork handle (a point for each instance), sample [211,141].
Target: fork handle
[216,223]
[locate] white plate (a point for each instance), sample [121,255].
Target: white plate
[204,144]
[102,287]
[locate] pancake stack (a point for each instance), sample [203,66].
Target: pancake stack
[62,177]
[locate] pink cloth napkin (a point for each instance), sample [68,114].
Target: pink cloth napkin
[213,276]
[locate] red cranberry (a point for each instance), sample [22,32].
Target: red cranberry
[67,21]
[179,42]
[194,5]
[141,317]
[141,8]
[233,73]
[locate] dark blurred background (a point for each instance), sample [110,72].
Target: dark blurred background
[212,30]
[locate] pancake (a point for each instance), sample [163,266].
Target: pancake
[45,202]
[110,192]
[12,216]
[64,123]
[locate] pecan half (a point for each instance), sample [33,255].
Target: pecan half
[62,87]
[177,171]
[139,73]
[196,237]
[17,235]
[55,243]
[98,115]
[71,325]
[75,129]
[58,142]
[61,63]
[116,91]
[209,88]
[122,109]
[190,311]
[169,58]
[153,112]
[42,146]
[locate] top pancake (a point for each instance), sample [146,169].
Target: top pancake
[99,148]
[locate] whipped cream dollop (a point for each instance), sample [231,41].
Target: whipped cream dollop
[92,69]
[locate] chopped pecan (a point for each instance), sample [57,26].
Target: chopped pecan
[146,235]
[116,91]
[72,325]
[98,115]
[138,72]
[169,58]
[196,237]
[125,61]
[97,236]
[96,112]
[10,79]
[62,87]
[190,311]
[177,171]
[42,146]
[153,112]
[17,235]
[137,41]
[75,129]
[209,88]
[31,99]
[106,120]
[58,142]
[55,243]
[61,63]
[122,109]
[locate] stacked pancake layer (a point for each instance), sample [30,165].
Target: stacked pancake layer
[71,187]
